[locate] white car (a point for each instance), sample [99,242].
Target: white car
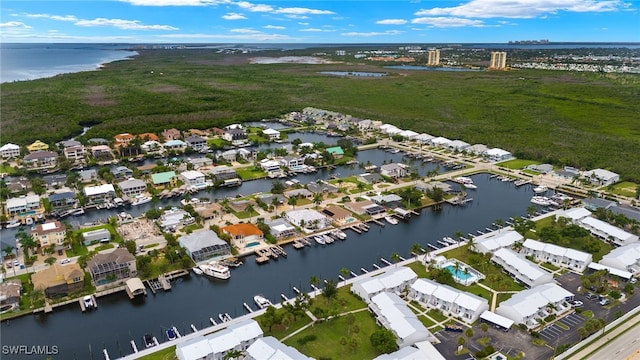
[16,262]
[577,303]
[65,261]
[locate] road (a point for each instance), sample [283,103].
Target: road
[624,347]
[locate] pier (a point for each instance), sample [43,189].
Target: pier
[356,229]
[378,222]
[164,282]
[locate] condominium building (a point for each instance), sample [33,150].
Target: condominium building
[498,60]
[434,58]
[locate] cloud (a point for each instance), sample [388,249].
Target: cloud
[234,16]
[447,22]
[246,31]
[392,22]
[254,7]
[316,30]
[521,8]
[14,25]
[302,11]
[274,27]
[236,37]
[122,24]
[52,17]
[373,33]
[299,17]
[173,2]
[303,23]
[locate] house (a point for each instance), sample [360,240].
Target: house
[541,168]
[99,193]
[307,219]
[529,306]
[594,203]
[395,280]
[235,135]
[426,187]
[10,295]
[419,350]
[236,337]
[392,313]
[601,177]
[457,145]
[607,232]
[297,193]
[121,172]
[167,178]
[450,301]
[114,266]
[337,214]
[204,245]
[101,152]
[321,187]
[243,234]
[574,215]
[271,134]
[520,268]
[40,159]
[96,236]
[493,242]
[37,146]
[281,229]
[74,150]
[270,165]
[133,187]
[59,280]
[152,146]
[172,218]
[50,234]
[171,134]
[230,155]
[148,137]
[54,180]
[196,142]
[123,138]
[17,185]
[246,154]
[440,141]
[369,178]
[477,149]
[336,152]
[292,162]
[200,162]
[22,204]
[626,258]
[408,134]
[360,207]
[223,172]
[556,255]
[423,138]
[62,201]
[270,348]
[394,171]
[8,151]
[98,141]
[386,199]
[88,175]
[193,179]
[175,145]
[497,155]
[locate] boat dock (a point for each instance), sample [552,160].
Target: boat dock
[278,250]
[297,244]
[83,306]
[522,182]
[175,274]
[164,282]
[378,222]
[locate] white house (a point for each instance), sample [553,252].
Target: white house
[270,165]
[457,145]
[607,232]
[477,149]
[528,306]
[132,187]
[419,350]
[395,280]
[496,154]
[601,177]
[22,204]
[269,348]
[424,138]
[175,145]
[574,214]
[556,255]
[9,151]
[440,141]
[272,134]
[449,300]
[495,241]
[394,170]
[307,219]
[193,179]
[100,192]
[522,269]
[238,337]
[625,258]
[392,313]
[408,134]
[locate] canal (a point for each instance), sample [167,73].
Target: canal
[194,299]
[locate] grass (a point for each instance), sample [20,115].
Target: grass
[346,300]
[571,242]
[250,173]
[587,313]
[625,188]
[549,266]
[517,163]
[436,315]
[7,169]
[164,354]
[503,297]
[327,343]
[426,321]
[279,331]
[419,269]
[104,247]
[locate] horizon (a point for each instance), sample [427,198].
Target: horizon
[313,22]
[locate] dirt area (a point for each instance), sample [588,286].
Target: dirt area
[142,231]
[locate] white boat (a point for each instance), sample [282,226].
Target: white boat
[466,181]
[391,220]
[319,240]
[449,240]
[340,234]
[78,212]
[541,189]
[197,271]
[88,302]
[13,223]
[540,200]
[262,301]
[327,239]
[141,200]
[216,270]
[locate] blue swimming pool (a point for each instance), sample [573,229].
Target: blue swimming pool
[458,273]
[252,244]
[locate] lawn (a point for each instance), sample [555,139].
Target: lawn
[165,354]
[7,169]
[625,188]
[279,331]
[436,315]
[250,173]
[346,301]
[517,163]
[503,297]
[426,321]
[328,334]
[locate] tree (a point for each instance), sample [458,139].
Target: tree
[484,327]
[50,260]
[395,258]
[330,290]
[27,242]
[317,198]
[293,201]
[8,250]
[250,209]
[416,249]
[531,210]
[345,272]
[384,341]
[461,340]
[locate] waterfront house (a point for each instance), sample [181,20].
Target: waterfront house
[59,280]
[450,301]
[424,139]
[336,152]
[595,203]
[530,306]
[167,178]
[109,267]
[494,241]
[22,204]
[132,187]
[477,149]
[96,236]
[440,141]
[574,215]
[123,138]
[386,200]
[236,337]
[626,258]
[430,186]
[50,234]
[100,193]
[408,134]
[63,201]
[297,193]
[10,295]
[248,155]
[396,280]
[101,152]
[523,270]
[171,134]
[243,234]
[281,229]
[128,150]
[540,168]
[270,348]
[223,172]
[172,218]
[369,178]
[270,165]
[196,142]
[88,175]
[152,147]
[37,146]
[17,184]
[74,150]
[8,151]
[392,313]
[394,170]
[193,179]
[229,155]
[121,172]
[338,214]
[321,187]
[54,180]
[148,137]
[601,177]
[292,162]
[497,155]
[307,219]
[204,245]
[175,145]
[200,162]
[556,255]
[271,134]
[457,145]
[607,232]
[40,159]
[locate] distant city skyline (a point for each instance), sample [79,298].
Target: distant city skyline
[227,21]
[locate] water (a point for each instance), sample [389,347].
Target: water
[193,300]
[432,68]
[35,61]
[458,274]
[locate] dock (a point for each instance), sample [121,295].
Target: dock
[378,222]
[356,229]
[175,274]
[262,259]
[278,250]
[522,182]
[154,285]
[297,244]
[164,282]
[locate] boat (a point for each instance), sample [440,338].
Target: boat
[197,271]
[340,234]
[466,181]
[88,302]
[262,301]
[391,220]
[78,212]
[319,240]
[216,270]
[540,200]
[224,317]
[327,239]
[148,341]
[172,333]
[141,200]
[540,189]
[13,223]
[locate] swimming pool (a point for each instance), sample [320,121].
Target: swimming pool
[252,244]
[459,273]
[464,274]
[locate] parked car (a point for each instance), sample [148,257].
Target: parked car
[604,302]
[9,264]
[634,280]
[591,296]
[65,261]
[577,303]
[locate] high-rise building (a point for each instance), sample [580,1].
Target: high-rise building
[434,58]
[498,60]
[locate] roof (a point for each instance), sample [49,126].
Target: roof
[55,275]
[528,302]
[497,152]
[62,196]
[449,294]
[524,267]
[270,131]
[613,271]
[622,257]
[601,174]
[9,146]
[98,190]
[191,174]
[175,142]
[496,319]
[242,230]
[495,241]
[40,154]
[131,183]
[336,211]
[198,240]
[51,226]
[163,177]
[575,213]
[608,229]
[335,150]
[402,321]
[269,348]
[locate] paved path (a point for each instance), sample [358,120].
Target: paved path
[626,346]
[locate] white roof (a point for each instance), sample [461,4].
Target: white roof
[449,294]
[496,241]
[269,348]
[575,214]
[270,132]
[445,294]
[193,349]
[9,146]
[425,286]
[497,152]
[408,134]
[98,190]
[388,280]
[528,302]
[192,174]
[533,245]
[234,335]
[613,271]
[522,266]
[608,229]
[424,137]
[458,144]
[496,319]
[601,174]
[402,321]
[440,140]
[305,214]
[622,257]
[48,226]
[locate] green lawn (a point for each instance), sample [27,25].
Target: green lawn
[165,354]
[426,321]
[327,343]
[279,331]
[517,163]
[503,297]
[625,188]
[436,315]
[419,269]
[250,173]
[570,242]
[346,301]
[7,169]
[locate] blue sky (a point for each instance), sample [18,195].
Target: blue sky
[329,21]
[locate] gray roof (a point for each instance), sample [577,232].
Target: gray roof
[199,240]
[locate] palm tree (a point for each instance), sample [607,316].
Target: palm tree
[458,235]
[27,242]
[317,199]
[499,223]
[293,201]
[531,210]
[250,210]
[416,249]
[395,258]
[8,250]
[314,280]
[50,260]
[344,272]
[275,203]
[233,354]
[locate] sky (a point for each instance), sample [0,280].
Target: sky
[324,21]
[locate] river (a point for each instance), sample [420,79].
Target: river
[194,299]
